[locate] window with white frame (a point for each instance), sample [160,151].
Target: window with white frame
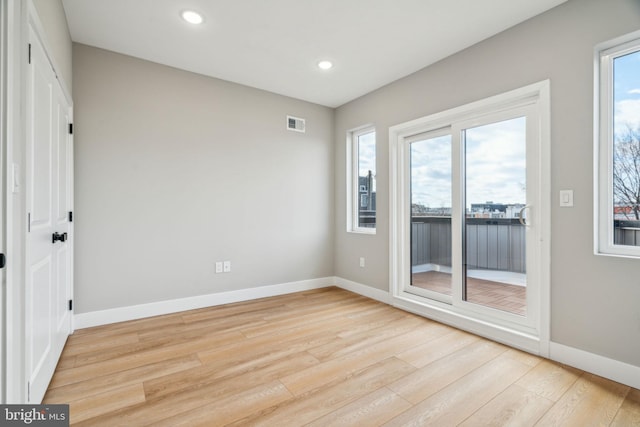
[361,165]
[618,147]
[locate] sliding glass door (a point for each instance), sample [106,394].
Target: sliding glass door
[430,207]
[495,211]
[470,216]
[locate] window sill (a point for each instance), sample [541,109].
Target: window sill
[371,231]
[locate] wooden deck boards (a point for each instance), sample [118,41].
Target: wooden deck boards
[503,296]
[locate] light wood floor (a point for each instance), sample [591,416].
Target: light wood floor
[511,298]
[320,358]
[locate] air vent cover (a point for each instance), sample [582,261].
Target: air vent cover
[295,124]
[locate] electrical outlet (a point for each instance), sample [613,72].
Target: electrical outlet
[362,261]
[218,267]
[226,266]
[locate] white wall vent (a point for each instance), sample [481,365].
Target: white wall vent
[295,124]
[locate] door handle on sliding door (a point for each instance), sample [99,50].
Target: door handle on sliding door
[520,216]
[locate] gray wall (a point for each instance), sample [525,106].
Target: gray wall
[175,171]
[54,23]
[594,299]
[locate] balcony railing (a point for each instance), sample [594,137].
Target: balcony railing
[492,244]
[626,233]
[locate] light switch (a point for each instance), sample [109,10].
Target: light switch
[566,198]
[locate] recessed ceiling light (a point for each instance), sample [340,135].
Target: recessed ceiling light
[325,65]
[192,17]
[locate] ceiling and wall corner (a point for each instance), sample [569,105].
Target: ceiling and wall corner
[276,45]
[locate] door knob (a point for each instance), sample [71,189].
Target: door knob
[520,216]
[57,236]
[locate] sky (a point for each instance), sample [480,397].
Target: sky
[367,155]
[431,172]
[626,94]
[626,89]
[495,166]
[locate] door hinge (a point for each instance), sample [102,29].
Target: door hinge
[71,128]
[70,304]
[29,222]
[29,53]
[70,216]
[3,260]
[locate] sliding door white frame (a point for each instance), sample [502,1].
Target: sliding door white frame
[533,335]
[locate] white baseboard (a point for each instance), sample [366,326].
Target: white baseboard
[612,369]
[364,290]
[121,314]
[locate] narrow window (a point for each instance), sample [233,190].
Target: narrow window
[618,148]
[362,181]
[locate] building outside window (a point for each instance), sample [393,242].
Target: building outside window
[362,180]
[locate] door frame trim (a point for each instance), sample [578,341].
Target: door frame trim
[16,57]
[3,162]
[535,340]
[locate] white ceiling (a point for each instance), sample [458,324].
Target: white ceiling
[275,44]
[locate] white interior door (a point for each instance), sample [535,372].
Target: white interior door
[62,193]
[47,322]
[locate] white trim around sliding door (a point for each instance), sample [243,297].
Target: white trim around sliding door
[532,337]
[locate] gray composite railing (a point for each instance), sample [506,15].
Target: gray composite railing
[492,244]
[626,233]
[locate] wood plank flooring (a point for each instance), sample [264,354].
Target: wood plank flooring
[320,358]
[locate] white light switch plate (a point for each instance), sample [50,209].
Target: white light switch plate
[566,198]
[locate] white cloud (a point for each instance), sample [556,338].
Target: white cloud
[495,161]
[367,154]
[627,113]
[431,172]
[634,92]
